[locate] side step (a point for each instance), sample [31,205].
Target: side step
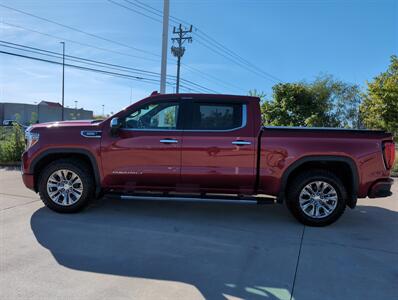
[193,197]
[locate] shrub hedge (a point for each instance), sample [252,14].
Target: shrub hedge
[12,144]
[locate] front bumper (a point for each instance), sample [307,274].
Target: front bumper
[381,188]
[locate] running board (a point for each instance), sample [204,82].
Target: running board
[190,197]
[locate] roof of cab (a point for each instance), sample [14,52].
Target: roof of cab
[220,97]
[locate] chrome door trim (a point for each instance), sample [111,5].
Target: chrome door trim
[241,143]
[168,141]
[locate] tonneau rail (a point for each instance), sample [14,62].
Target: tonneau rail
[317,129]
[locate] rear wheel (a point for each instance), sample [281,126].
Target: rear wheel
[316,198]
[66,186]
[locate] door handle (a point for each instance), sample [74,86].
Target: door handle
[241,143]
[168,141]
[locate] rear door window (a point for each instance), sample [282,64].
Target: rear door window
[216,116]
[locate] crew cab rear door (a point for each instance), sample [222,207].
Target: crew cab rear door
[218,148]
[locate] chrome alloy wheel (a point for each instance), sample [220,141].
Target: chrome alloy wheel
[64,187]
[318,199]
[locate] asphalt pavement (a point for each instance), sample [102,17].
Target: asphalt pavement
[151,249]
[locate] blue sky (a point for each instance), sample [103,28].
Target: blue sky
[292,40]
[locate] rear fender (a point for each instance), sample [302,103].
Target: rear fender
[351,201]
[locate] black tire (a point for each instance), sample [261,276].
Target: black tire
[300,182]
[82,170]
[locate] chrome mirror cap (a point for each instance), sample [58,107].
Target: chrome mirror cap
[115,123]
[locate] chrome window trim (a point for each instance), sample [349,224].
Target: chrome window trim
[244,123]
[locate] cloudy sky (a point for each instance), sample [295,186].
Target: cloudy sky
[285,40]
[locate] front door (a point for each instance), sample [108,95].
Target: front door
[146,154]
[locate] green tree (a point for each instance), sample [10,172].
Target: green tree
[326,102]
[379,109]
[33,118]
[259,94]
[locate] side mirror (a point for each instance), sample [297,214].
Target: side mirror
[8,123]
[115,125]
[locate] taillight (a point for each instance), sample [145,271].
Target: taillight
[389,154]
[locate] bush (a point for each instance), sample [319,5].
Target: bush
[12,143]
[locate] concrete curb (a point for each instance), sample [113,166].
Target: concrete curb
[10,165]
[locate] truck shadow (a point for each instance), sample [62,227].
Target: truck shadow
[242,250]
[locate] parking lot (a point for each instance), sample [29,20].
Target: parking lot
[133,249]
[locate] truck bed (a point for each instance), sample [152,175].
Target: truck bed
[282,148]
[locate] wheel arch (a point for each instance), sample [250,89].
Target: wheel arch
[50,155]
[351,180]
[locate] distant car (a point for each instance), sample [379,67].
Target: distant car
[7,122]
[12,122]
[200,144]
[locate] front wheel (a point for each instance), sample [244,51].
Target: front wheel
[66,185]
[316,198]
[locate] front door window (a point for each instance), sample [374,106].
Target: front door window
[156,116]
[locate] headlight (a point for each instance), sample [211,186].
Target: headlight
[31,138]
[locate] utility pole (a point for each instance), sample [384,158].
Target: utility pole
[63,79]
[75,109]
[103,110]
[178,51]
[165,37]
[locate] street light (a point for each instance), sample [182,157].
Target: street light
[63,79]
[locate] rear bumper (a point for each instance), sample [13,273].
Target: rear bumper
[381,189]
[28,180]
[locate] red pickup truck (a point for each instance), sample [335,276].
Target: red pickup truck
[206,145]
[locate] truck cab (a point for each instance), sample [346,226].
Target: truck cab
[183,143]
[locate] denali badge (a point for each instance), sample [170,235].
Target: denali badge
[91,133]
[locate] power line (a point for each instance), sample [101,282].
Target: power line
[157,12]
[112,74]
[212,77]
[207,41]
[201,73]
[111,51]
[175,20]
[235,55]
[79,58]
[237,62]
[80,43]
[97,63]
[70,58]
[79,30]
[80,67]
[132,9]
[146,7]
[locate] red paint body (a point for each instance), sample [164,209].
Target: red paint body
[206,161]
